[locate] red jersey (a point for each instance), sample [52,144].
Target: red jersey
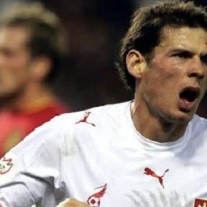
[15,125]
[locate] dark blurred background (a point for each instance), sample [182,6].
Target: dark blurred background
[95,28]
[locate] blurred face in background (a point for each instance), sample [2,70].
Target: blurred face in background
[15,60]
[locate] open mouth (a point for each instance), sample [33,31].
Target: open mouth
[190,94]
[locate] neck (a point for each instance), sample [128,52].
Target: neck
[30,100]
[155,128]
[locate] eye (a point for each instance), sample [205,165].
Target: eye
[204,59]
[182,54]
[6,52]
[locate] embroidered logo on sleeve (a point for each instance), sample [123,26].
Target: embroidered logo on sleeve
[7,168]
[5,165]
[200,203]
[95,199]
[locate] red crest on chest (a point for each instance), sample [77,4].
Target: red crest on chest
[200,203]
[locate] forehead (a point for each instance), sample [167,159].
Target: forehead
[192,38]
[14,35]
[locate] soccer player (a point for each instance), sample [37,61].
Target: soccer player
[32,50]
[147,152]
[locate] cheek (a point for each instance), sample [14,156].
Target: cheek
[166,68]
[163,77]
[15,75]
[17,65]
[18,68]
[150,88]
[154,79]
[158,87]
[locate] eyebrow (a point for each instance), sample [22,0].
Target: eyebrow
[183,50]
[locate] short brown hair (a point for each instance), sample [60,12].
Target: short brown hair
[146,27]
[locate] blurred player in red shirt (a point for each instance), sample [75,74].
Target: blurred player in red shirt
[32,50]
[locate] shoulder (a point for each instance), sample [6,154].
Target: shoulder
[199,123]
[101,116]
[110,111]
[64,129]
[197,129]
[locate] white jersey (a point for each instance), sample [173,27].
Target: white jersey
[97,156]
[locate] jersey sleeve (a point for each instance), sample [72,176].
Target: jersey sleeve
[28,172]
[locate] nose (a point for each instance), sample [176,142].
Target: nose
[197,69]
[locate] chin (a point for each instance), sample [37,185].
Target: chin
[180,117]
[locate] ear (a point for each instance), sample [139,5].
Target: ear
[40,67]
[136,63]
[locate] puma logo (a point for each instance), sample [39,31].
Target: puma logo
[84,119]
[150,172]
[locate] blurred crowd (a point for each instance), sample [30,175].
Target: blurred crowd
[94,28]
